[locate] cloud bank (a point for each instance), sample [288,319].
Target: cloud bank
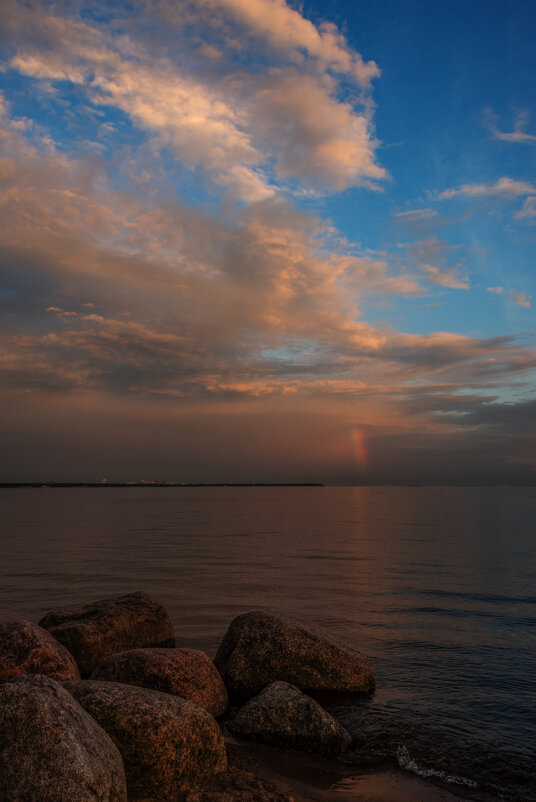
[162,268]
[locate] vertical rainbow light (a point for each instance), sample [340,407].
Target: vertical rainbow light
[359,443]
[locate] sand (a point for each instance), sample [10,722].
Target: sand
[260,773]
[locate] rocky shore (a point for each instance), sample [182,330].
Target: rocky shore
[97,704]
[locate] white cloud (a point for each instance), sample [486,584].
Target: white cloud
[233,125]
[517,136]
[528,209]
[285,29]
[504,187]
[201,128]
[188,305]
[517,297]
[415,214]
[315,138]
[430,256]
[520,299]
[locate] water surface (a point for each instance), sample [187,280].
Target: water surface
[436,585]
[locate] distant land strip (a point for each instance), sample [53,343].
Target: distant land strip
[8,485]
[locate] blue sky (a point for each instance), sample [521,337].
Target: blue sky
[231,210]
[453,75]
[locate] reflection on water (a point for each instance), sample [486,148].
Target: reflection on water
[436,585]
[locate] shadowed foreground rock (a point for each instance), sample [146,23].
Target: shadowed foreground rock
[51,750]
[283,715]
[260,648]
[167,744]
[27,648]
[93,632]
[239,784]
[188,673]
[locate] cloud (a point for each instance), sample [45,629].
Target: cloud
[528,209]
[230,125]
[218,331]
[201,128]
[415,215]
[430,256]
[288,31]
[520,298]
[115,293]
[517,136]
[505,187]
[316,138]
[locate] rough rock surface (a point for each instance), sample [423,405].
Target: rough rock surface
[260,648]
[168,745]
[283,715]
[188,673]
[51,750]
[27,648]
[238,784]
[93,632]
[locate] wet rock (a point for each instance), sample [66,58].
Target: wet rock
[27,648]
[168,745]
[93,632]
[51,750]
[260,648]
[188,673]
[283,715]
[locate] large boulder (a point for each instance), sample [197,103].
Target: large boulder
[93,632]
[181,672]
[283,715]
[168,745]
[51,749]
[260,648]
[27,648]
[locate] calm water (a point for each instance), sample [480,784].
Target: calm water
[436,585]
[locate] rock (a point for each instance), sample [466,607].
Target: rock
[51,750]
[188,673]
[239,784]
[167,744]
[27,648]
[93,632]
[260,648]
[283,715]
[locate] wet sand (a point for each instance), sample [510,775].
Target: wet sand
[283,774]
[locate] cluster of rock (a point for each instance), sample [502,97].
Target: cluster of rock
[97,704]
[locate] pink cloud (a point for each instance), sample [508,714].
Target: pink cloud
[504,187]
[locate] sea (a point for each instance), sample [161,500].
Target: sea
[437,585]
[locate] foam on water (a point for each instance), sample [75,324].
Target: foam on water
[406,762]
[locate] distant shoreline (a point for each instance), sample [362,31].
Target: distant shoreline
[14,485]
[45,485]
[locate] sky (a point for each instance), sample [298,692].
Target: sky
[257,240]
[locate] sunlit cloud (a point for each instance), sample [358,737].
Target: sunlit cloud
[285,29]
[518,136]
[520,299]
[171,254]
[528,210]
[430,256]
[411,215]
[263,308]
[505,187]
[517,297]
[290,115]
